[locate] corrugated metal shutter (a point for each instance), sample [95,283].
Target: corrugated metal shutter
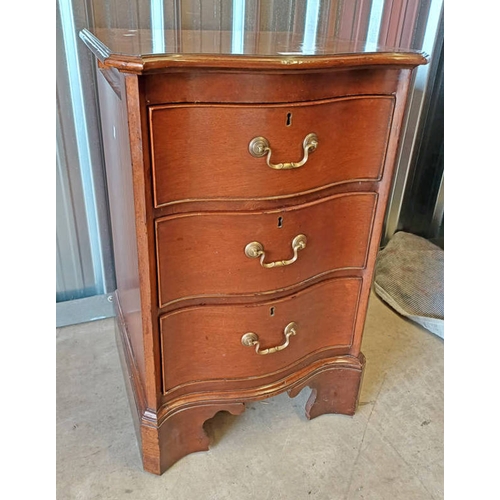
[83,249]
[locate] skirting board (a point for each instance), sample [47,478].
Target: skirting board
[72,312]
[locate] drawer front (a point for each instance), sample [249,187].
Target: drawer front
[205,343]
[201,152]
[203,254]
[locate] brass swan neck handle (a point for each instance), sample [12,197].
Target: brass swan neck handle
[251,339]
[255,250]
[259,146]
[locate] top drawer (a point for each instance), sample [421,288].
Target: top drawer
[201,151]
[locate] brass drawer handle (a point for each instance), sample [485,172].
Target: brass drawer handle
[251,339]
[259,146]
[255,250]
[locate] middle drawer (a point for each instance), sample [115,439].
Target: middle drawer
[224,254]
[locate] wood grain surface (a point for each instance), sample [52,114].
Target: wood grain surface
[210,336]
[261,87]
[203,254]
[213,161]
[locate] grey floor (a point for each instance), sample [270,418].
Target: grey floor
[391,449]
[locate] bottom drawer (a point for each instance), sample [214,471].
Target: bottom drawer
[204,343]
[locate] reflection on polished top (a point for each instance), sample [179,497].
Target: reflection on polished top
[163,33]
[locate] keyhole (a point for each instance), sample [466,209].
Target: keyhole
[288,119]
[280,222]
[271,311]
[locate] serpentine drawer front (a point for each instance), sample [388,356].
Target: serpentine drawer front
[247,196]
[323,316]
[222,164]
[203,254]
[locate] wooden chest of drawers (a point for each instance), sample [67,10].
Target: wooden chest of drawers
[247,196]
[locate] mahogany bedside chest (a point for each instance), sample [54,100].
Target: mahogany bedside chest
[247,194]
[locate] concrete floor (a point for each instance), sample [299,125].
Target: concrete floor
[391,449]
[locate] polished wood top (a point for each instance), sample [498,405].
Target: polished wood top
[153,36]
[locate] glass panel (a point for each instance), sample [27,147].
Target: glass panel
[252,27]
